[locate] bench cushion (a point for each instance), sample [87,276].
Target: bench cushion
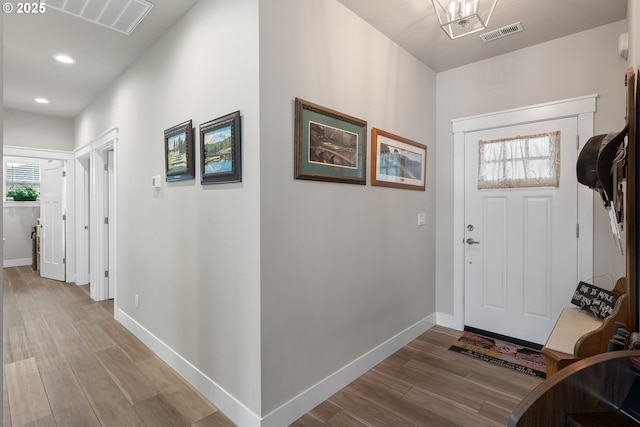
[572,324]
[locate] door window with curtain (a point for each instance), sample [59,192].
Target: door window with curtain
[522,161]
[20,173]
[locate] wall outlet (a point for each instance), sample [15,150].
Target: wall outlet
[136,301]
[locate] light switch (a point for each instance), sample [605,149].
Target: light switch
[422,218]
[156,181]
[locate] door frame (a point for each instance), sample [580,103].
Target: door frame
[82,189]
[68,195]
[95,152]
[583,108]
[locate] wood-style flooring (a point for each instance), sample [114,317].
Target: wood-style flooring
[424,384]
[69,363]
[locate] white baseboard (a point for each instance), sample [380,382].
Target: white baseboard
[294,408]
[16,262]
[229,405]
[309,399]
[450,321]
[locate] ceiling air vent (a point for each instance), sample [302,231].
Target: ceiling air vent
[119,15]
[501,32]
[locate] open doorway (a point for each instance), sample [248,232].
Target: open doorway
[56,196]
[96,216]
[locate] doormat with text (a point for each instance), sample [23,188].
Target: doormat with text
[502,353]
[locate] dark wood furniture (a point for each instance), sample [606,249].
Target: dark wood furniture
[597,386]
[595,341]
[590,391]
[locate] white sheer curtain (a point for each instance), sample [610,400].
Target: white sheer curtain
[522,161]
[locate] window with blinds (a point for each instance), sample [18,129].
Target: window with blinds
[20,174]
[522,161]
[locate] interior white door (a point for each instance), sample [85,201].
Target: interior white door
[521,244]
[52,240]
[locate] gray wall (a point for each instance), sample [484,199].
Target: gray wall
[18,222]
[577,65]
[37,131]
[279,282]
[344,267]
[23,129]
[191,252]
[246,281]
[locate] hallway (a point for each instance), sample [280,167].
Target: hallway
[68,363]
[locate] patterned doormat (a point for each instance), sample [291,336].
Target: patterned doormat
[502,353]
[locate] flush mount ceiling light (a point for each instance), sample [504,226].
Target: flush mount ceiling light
[65,59]
[41,100]
[119,15]
[462,17]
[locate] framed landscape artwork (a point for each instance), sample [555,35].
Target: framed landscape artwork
[178,149]
[220,150]
[329,146]
[397,162]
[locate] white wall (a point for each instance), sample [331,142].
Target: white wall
[191,252]
[344,267]
[576,65]
[37,131]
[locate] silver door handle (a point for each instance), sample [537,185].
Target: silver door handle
[470,241]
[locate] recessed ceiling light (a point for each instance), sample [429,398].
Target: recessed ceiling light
[65,59]
[41,100]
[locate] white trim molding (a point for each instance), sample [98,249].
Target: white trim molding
[39,153]
[294,408]
[16,262]
[95,152]
[318,393]
[583,108]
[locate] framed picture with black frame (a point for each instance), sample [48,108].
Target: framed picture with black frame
[179,154]
[220,144]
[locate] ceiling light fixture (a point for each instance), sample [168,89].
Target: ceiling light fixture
[65,59]
[463,17]
[41,100]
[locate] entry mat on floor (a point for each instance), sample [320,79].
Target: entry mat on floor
[502,353]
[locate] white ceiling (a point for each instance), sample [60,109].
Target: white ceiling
[413,24]
[31,41]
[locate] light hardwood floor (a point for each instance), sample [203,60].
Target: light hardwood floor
[69,363]
[424,384]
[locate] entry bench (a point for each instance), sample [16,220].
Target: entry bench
[578,334]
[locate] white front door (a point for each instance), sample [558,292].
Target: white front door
[521,264]
[52,241]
